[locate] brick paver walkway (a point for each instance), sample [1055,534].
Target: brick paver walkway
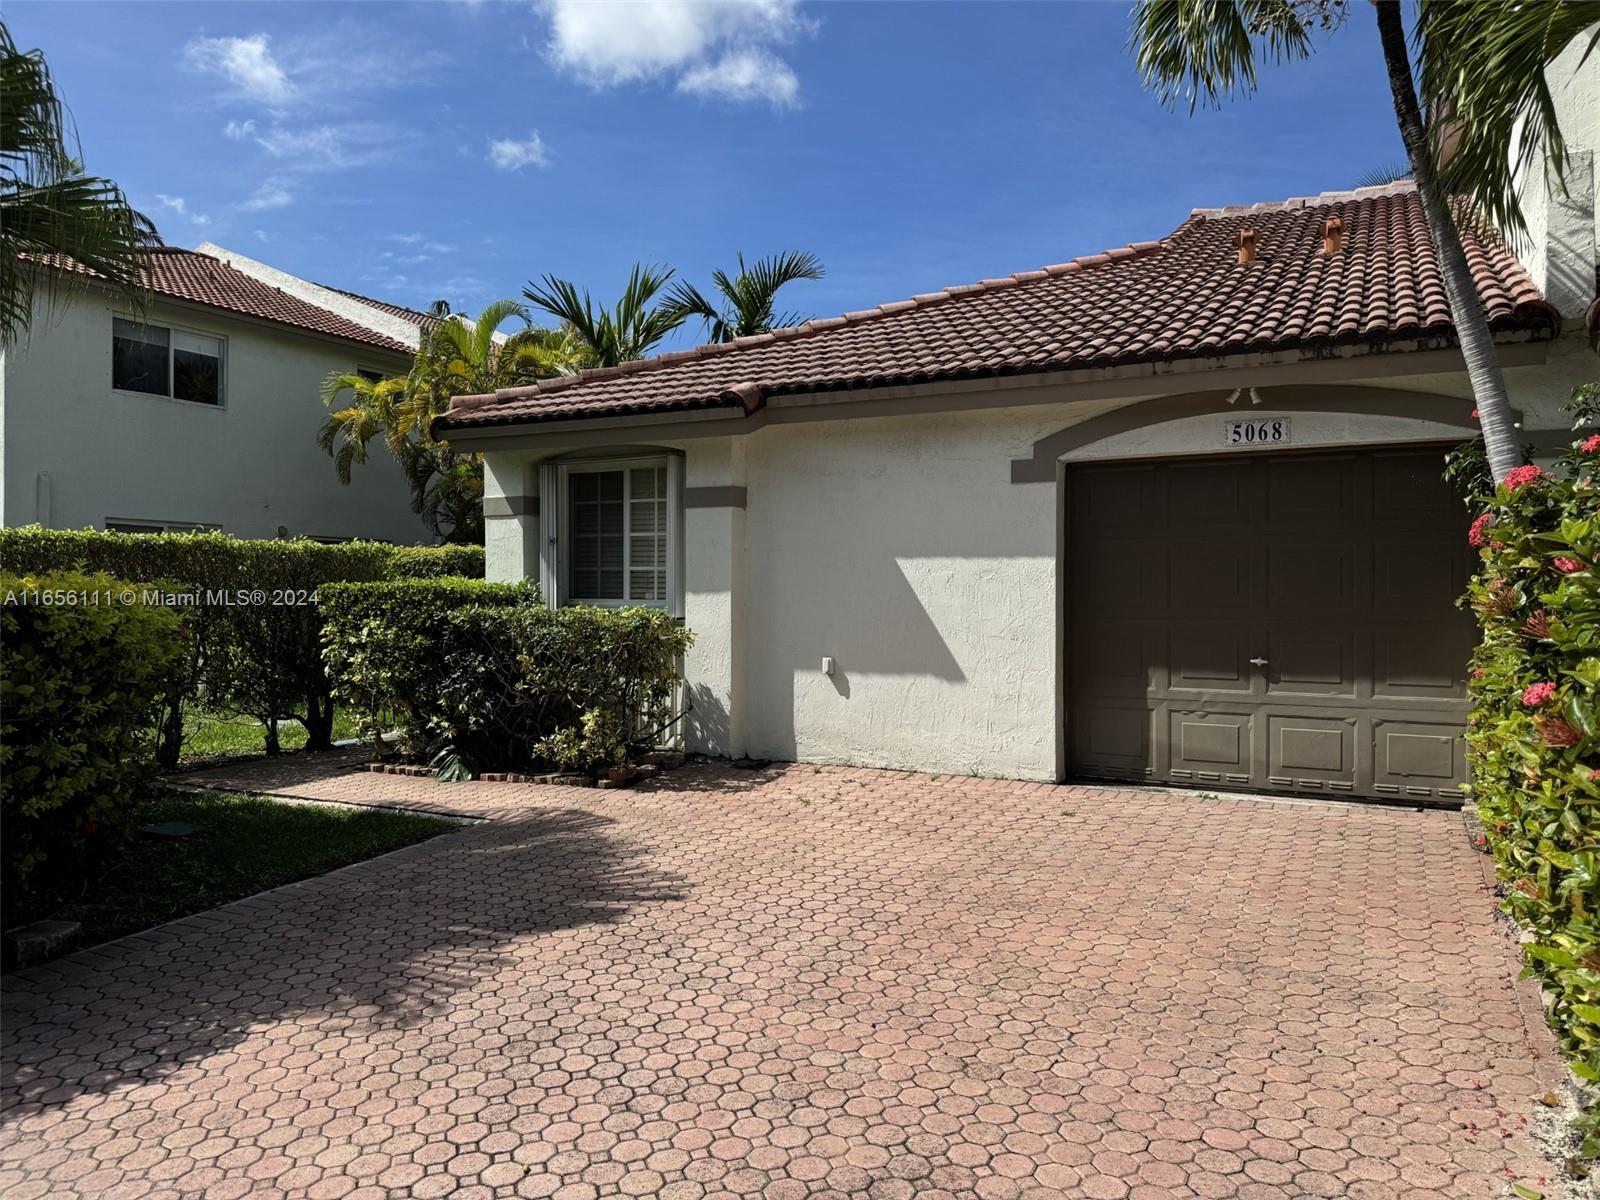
[799,982]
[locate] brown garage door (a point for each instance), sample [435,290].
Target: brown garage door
[1276,621]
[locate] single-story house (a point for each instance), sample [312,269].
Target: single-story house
[201,410]
[1172,512]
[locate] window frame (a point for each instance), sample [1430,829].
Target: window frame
[140,525]
[222,362]
[556,520]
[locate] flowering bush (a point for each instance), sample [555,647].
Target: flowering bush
[1534,735]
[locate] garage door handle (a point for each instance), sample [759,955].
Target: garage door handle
[1258,662]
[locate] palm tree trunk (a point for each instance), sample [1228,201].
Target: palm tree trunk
[1466,307]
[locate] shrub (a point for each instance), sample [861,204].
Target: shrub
[79,687]
[218,560]
[382,645]
[1534,735]
[255,645]
[579,687]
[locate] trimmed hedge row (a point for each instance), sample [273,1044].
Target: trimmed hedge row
[1533,737]
[486,678]
[382,646]
[249,608]
[218,560]
[81,677]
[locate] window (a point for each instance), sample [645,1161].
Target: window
[370,375]
[118,525]
[618,535]
[611,532]
[158,361]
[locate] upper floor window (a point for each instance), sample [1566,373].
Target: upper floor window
[160,361]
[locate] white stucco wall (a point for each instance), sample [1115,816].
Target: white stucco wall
[1563,221]
[900,548]
[250,466]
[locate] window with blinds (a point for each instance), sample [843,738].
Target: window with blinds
[617,536]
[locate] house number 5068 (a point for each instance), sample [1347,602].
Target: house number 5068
[1270,431]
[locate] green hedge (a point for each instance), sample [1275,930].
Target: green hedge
[254,645]
[79,685]
[219,560]
[489,674]
[381,645]
[1534,734]
[580,688]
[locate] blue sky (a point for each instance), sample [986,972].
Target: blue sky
[456,150]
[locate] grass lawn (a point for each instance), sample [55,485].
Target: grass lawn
[241,845]
[207,735]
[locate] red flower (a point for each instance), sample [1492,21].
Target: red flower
[1475,534]
[1535,695]
[1520,476]
[1591,445]
[1558,732]
[1474,414]
[1478,672]
[1567,566]
[1537,626]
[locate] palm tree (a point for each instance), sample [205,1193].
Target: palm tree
[748,298]
[627,331]
[1482,63]
[456,358]
[49,208]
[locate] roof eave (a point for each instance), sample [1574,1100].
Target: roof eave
[1535,321]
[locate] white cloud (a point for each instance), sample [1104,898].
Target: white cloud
[322,143]
[712,46]
[331,147]
[238,131]
[270,194]
[245,62]
[744,75]
[180,207]
[509,154]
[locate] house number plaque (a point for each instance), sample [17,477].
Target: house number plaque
[1264,431]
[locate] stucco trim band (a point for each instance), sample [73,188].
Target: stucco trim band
[714,497]
[1040,466]
[510,506]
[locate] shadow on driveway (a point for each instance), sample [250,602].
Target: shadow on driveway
[384,944]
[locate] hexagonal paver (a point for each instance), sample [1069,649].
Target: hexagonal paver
[800,982]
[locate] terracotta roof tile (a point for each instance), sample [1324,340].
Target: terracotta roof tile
[426,322]
[202,279]
[1182,296]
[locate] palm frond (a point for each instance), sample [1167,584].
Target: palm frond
[630,329]
[1380,176]
[1481,70]
[748,296]
[493,316]
[1205,51]
[49,208]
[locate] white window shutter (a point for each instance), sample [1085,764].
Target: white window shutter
[550,549]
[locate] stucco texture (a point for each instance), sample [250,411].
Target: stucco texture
[251,466]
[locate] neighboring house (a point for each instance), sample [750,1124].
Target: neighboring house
[203,411]
[1153,514]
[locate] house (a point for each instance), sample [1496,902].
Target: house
[203,411]
[1172,512]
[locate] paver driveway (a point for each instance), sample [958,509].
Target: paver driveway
[801,983]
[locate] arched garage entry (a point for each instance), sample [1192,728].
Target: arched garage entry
[1279,619]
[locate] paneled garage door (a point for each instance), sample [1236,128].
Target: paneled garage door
[1275,621]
